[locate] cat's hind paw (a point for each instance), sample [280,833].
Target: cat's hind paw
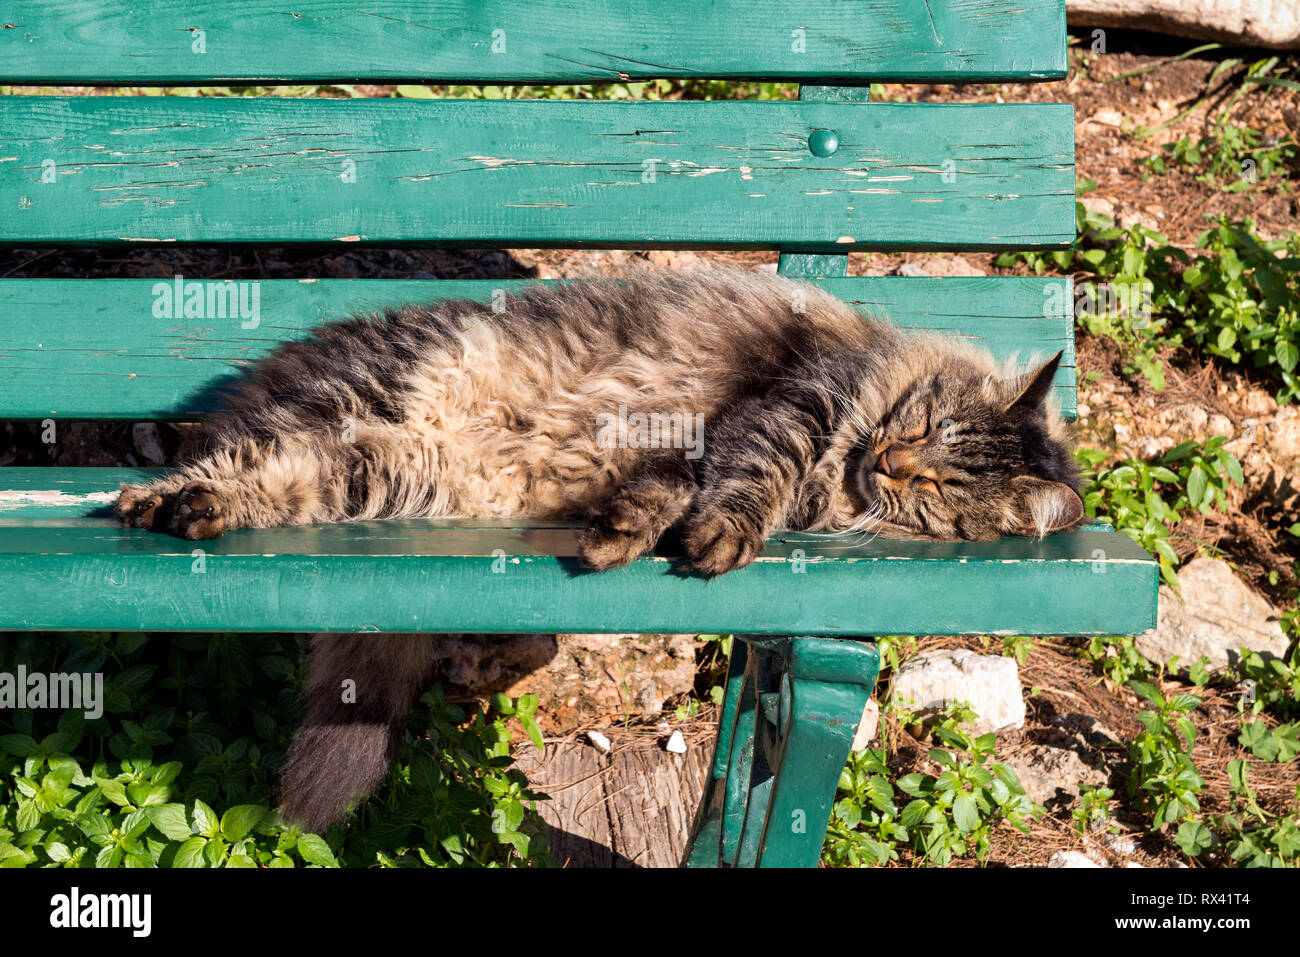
[200,511]
[138,506]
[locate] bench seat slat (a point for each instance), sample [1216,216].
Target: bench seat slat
[524,41]
[94,349]
[116,170]
[63,567]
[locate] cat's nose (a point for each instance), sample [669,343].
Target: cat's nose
[895,460]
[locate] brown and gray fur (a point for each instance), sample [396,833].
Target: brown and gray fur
[815,418]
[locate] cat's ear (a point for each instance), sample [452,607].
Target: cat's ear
[1038,385]
[1042,506]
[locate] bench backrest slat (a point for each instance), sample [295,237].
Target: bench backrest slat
[161,169]
[527,41]
[115,170]
[123,348]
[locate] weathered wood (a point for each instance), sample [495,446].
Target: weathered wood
[631,808]
[509,41]
[558,173]
[480,576]
[94,349]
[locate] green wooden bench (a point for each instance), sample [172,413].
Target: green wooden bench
[815,178]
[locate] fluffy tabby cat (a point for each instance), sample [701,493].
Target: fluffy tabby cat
[814,418]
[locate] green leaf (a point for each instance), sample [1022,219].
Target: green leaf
[190,854]
[314,850]
[965,813]
[205,820]
[1287,354]
[1197,481]
[533,731]
[1194,837]
[170,821]
[240,820]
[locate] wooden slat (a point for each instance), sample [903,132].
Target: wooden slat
[91,574]
[508,41]
[557,173]
[93,349]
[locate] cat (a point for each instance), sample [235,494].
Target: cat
[585,400]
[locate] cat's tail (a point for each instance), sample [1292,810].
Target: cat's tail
[360,689]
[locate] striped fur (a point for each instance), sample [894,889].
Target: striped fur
[814,418]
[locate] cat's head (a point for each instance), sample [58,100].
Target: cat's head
[963,454]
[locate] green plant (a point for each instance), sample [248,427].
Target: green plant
[949,816]
[1163,779]
[1234,297]
[1248,835]
[1273,683]
[711,670]
[1280,744]
[1118,657]
[178,770]
[1018,647]
[1232,157]
[1144,500]
[864,828]
[1092,811]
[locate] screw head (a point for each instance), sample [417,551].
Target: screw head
[823,142]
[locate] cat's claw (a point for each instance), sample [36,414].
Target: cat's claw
[718,542]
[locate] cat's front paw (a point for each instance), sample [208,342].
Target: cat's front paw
[200,511]
[719,541]
[138,506]
[617,537]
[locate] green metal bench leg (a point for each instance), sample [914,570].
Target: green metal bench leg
[789,715]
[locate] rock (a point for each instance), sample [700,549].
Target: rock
[1098,204]
[1121,844]
[1217,614]
[941,266]
[990,684]
[599,740]
[1284,435]
[868,725]
[1185,421]
[581,680]
[1052,774]
[1251,23]
[1071,859]
[1220,425]
[676,743]
[1107,118]
[677,259]
[145,438]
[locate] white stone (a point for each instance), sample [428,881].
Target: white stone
[1217,614]
[676,743]
[1071,859]
[868,725]
[989,684]
[599,740]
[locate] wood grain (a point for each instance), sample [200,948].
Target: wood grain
[115,170]
[94,349]
[71,572]
[509,41]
